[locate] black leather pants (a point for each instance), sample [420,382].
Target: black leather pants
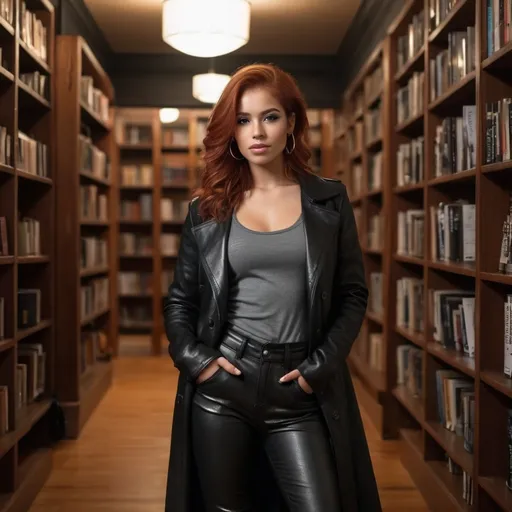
[232,417]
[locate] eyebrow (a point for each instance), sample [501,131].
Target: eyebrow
[262,113]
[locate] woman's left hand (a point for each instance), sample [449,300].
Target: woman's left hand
[295,374]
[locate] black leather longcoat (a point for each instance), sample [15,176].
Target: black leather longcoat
[195,316]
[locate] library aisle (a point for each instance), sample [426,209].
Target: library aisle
[119,463]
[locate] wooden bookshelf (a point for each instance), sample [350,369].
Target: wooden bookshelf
[362,165]
[158,166]
[86,234]
[27,268]
[413,406]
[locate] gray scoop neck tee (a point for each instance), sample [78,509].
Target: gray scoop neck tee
[267,293]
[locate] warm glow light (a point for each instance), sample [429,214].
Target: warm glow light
[169,115]
[206,28]
[208,87]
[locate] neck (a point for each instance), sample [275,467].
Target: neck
[270,175]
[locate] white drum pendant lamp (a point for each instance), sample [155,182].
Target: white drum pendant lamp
[206,28]
[207,87]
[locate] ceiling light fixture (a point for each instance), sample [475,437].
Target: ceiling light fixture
[169,115]
[206,28]
[207,87]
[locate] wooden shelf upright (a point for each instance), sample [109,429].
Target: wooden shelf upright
[158,166]
[363,165]
[446,383]
[27,257]
[86,232]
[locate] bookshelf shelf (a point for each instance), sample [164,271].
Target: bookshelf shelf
[498,491]
[86,230]
[27,262]
[411,403]
[457,94]
[445,330]
[457,19]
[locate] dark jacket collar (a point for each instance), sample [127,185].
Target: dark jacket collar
[317,188]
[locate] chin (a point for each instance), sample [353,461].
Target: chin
[262,159]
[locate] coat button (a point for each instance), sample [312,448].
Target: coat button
[318,331]
[211,323]
[335,415]
[324,295]
[179,399]
[265,352]
[201,287]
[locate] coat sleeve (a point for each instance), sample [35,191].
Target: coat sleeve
[348,305]
[181,309]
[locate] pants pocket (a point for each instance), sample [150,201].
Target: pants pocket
[304,394]
[212,378]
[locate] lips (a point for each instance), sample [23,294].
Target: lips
[258,146]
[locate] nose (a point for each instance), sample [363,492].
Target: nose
[258,131]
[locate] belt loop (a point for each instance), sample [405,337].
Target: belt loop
[241,348]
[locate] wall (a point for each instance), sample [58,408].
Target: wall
[368,28]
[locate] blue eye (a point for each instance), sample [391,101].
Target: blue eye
[241,120]
[272,117]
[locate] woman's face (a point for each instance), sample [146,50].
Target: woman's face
[262,127]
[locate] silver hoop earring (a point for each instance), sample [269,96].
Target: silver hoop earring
[290,151]
[231,152]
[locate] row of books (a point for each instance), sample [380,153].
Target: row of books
[453,231]
[176,136]
[355,138]
[172,175]
[409,369]
[498,131]
[409,304]
[411,43]
[29,237]
[410,231]
[467,480]
[499,31]
[93,98]
[92,160]
[455,143]
[505,262]
[93,204]
[36,81]
[409,99]
[375,237]
[94,297]
[32,155]
[373,123]
[33,33]
[4,240]
[135,244]
[375,171]
[507,335]
[130,314]
[452,316]
[131,133]
[130,283]
[375,304]
[140,209]
[410,162]
[93,252]
[2,318]
[7,11]
[450,65]
[138,175]
[5,146]
[356,182]
[439,10]
[173,210]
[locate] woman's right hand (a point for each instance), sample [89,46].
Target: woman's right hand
[214,367]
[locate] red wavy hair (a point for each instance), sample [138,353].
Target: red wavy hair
[224,179]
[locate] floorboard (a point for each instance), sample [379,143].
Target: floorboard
[119,463]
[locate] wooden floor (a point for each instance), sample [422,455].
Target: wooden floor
[119,463]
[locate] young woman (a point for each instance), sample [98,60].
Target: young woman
[268,296]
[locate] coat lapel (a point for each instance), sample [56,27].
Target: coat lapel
[212,240]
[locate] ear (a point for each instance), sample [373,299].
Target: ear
[291,123]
